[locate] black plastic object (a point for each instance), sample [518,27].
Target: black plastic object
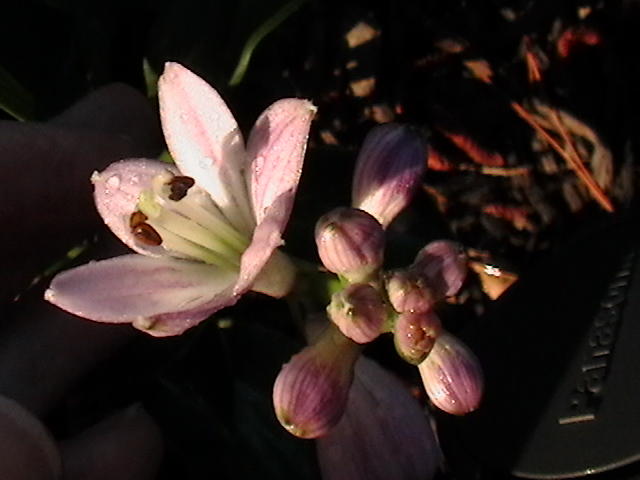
[561,355]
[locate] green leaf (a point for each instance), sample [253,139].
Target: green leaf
[150,78]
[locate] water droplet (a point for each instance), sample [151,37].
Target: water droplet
[258,164]
[113,181]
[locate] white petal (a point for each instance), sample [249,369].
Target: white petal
[116,192]
[205,141]
[143,290]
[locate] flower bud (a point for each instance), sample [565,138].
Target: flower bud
[358,311]
[443,265]
[415,335]
[409,292]
[311,391]
[350,243]
[388,170]
[452,376]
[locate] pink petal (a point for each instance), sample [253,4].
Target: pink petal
[116,192]
[276,147]
[204,140]
[384,434]
[266,238]
[163,296]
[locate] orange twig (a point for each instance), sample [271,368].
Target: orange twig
[498,171]
[474,151]
[573,36]
[571,156]
[517,216]
[533,65]
[438,162]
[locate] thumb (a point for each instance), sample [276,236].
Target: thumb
[125,446]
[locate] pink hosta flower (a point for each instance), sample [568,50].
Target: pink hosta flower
[383,435]
[389,167]
[206,231]
[452,376]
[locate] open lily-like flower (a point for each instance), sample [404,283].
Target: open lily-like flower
[205,231]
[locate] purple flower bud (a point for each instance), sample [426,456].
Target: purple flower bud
[358,311]
[408,291]
[415,335]
[350,243]
[388,170]
[452,376]
[443,264]
[311,390]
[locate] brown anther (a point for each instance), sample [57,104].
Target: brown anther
[180,185]
[136,219]
[146,234]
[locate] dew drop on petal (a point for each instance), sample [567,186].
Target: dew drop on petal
[258,164]
[113,181]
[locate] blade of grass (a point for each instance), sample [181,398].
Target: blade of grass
[14,98]
[258,35]
[150,78]
[59,264]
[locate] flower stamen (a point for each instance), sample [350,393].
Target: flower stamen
[185,248]
[184,219]
[137,218]
[146,234]
[179,186]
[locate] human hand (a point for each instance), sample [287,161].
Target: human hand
[46,207]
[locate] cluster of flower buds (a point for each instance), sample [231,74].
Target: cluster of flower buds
[450,372]
[311,390]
